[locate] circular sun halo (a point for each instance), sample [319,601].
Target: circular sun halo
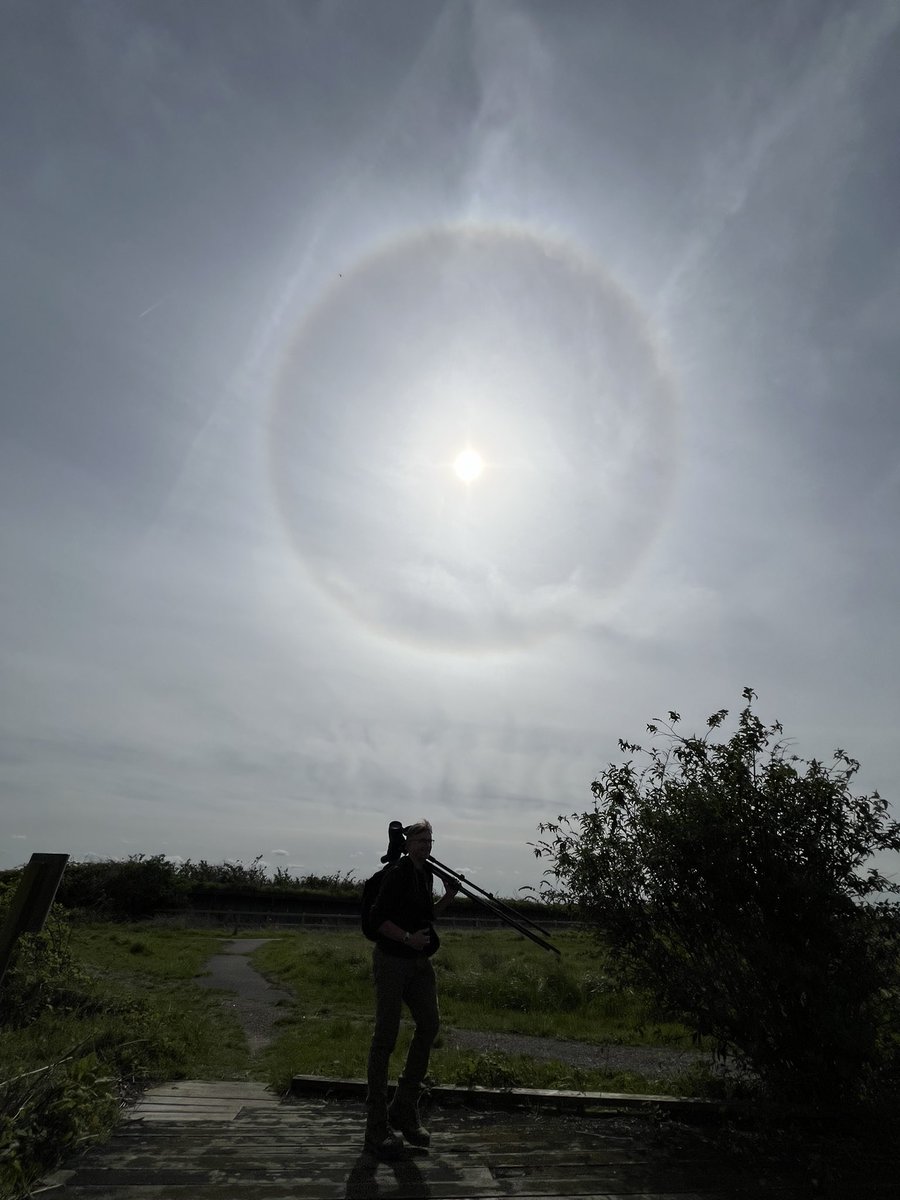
[468,465]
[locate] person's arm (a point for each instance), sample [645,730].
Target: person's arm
[416,939]
[451,888]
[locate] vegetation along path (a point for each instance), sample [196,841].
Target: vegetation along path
[236,1139]
[258,1006]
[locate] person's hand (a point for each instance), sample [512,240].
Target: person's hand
[451,888]
[420,940]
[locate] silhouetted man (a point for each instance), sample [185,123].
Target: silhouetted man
[402,917]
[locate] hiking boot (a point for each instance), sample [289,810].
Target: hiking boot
[389,1149]
[403,1114]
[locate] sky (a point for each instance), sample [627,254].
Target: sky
[270,268]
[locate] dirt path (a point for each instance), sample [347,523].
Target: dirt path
[253,1000]
[655,1062]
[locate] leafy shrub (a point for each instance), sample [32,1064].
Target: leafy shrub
[138,886]
[487,1070]
[46,1113]
[42,975]
[730,882]
[336,884]
[143,885]
[228,874]
[237,876]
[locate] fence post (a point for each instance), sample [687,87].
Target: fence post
[31,903]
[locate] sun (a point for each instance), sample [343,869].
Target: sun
[468,465]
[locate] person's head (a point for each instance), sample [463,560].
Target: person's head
[419,840]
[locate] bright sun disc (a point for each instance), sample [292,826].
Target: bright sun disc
[468,465]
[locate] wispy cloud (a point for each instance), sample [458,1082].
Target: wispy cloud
[798,115]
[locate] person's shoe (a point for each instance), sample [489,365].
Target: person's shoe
[416,1135]
[403,1114]
[388,1149]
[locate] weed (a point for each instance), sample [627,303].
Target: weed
[46,1112]
[101,1007]
[487,1070]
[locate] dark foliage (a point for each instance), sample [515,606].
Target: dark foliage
[144,885]
[125,889]
[42,974]
[732,882]
[48,1113]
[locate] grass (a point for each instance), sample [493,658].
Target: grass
[143,1013]
[132,1007]
[154,951]
[95,1010]
[338,1047]
[112,1004]
[121,1006]
[488,982]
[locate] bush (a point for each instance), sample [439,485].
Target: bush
[46,1113]
[70,1036]
[42,975]
[729,881]
[143,886]
[489,1071]
[136,887]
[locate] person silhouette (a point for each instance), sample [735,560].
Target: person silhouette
[403,918]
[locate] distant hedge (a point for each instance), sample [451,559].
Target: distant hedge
[143,885]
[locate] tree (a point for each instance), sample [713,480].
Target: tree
[730,881]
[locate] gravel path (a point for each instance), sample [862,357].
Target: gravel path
[656,1062]
[254,1001]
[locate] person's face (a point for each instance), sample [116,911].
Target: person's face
[418,847]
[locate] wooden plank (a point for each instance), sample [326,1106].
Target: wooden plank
[183,1153]
[202,1099]
[364,1188]
[311,1150]
[186,1103]
[245,1089]
[466,1181]
[302,1085]
[341,1185]
[30,903]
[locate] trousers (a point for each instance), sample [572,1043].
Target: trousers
[399,981]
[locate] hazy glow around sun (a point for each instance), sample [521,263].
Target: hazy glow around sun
[468,465]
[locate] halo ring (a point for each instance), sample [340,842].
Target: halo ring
[472,307]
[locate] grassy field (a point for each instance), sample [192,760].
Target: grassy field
[487,981]
[133,1003]
[113,1005]
[86,1014]
[140,1007]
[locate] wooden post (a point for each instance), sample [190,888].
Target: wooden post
[31,903]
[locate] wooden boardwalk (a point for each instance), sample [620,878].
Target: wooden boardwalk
[234,1141]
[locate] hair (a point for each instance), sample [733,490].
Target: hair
[422,826]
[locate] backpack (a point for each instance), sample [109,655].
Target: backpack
[370,891]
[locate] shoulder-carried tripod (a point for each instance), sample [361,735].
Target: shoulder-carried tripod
[509,916]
